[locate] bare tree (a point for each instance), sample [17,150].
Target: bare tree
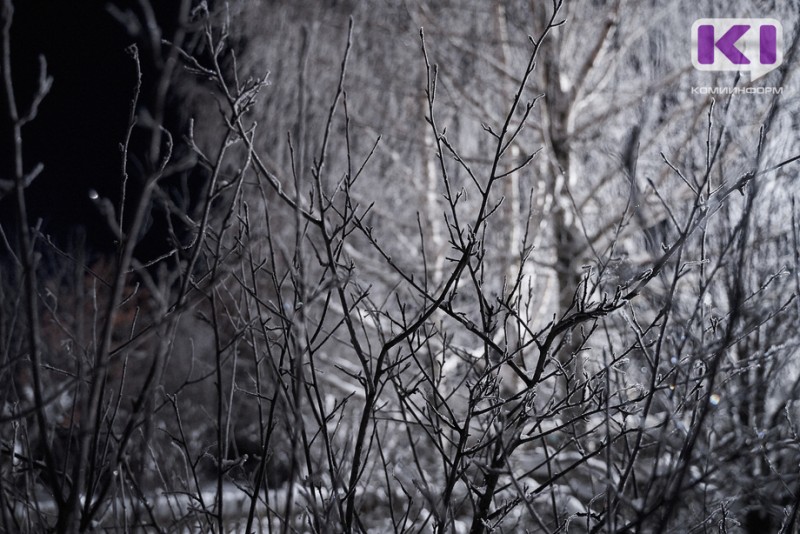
[515,282]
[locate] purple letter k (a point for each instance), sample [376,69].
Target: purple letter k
[726,44]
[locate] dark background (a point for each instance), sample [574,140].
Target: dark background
[83,120]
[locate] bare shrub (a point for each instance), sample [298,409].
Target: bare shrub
[448,328]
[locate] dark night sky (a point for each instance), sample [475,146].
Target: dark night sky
[83,120]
